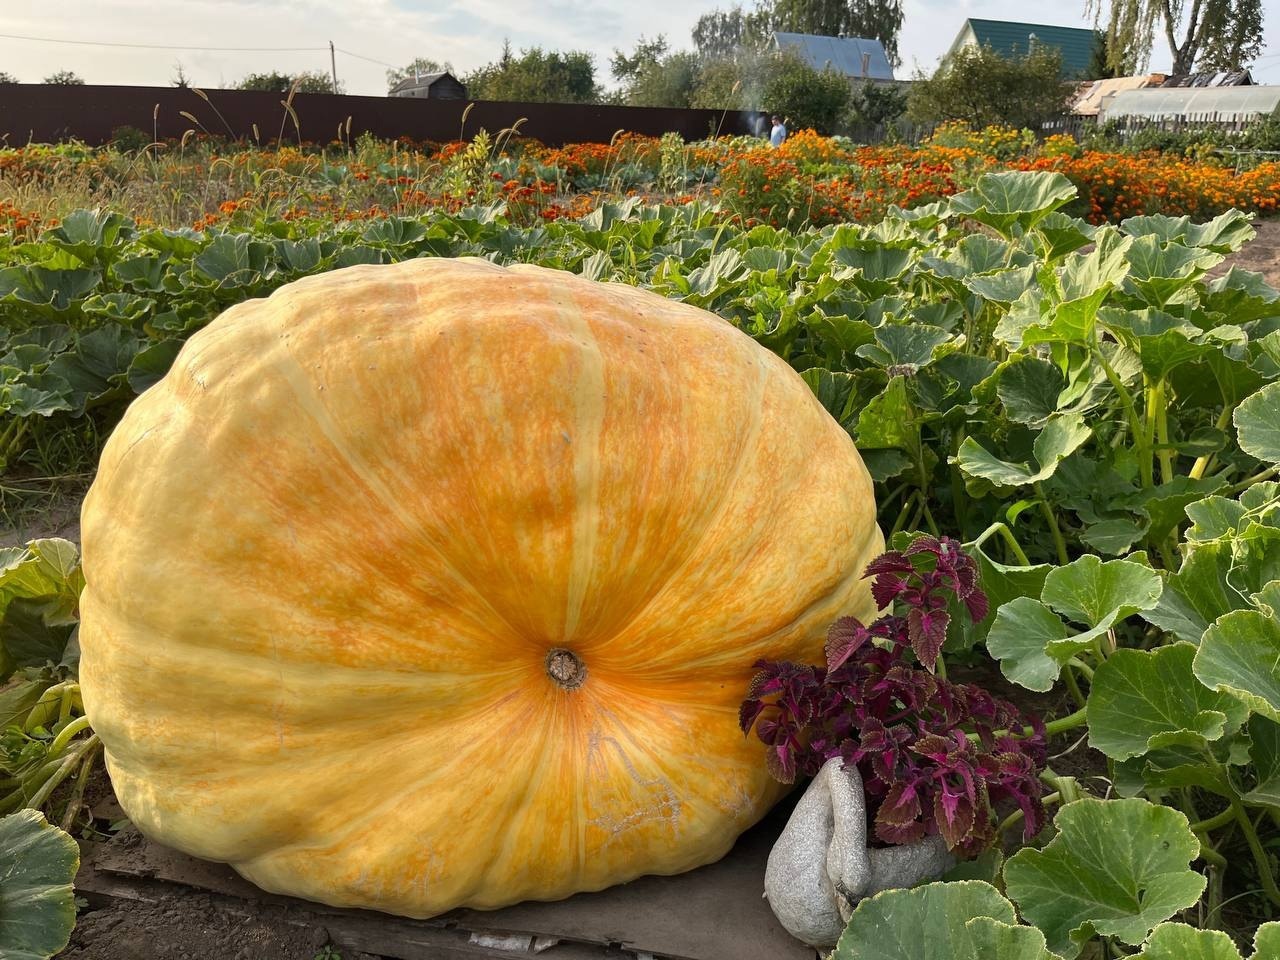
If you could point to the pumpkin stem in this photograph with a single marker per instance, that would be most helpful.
(566, 668)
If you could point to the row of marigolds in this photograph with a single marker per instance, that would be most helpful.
(810, 180)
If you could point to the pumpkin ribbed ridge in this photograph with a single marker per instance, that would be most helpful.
(333, 559)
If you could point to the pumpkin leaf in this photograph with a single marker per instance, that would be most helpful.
(37, 905)
(1257, 422)
(961, 920)
(1178, 941)
(1240, 654)
(1116, 868)
(1142, 700)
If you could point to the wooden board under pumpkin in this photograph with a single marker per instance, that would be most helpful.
(707, 914)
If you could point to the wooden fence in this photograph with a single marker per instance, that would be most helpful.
(48, 113)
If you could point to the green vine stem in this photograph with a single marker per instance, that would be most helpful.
(1073, 687)
(1017, 816)
(1052, 519)
(1007, 535)
(67, 734)
(1201, 465)
(1131, 411)
(1259, 852)
(1214, 823)
(1163, 450)
(63, 770)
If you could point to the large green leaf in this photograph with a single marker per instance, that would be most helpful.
(1257, 422)
(1178, 941)
(1029, 388)
(1143, 700)
(1198, 594)
(1020, 637)
(1240, 654)
(1003, 200)
(961, 920)
(1062, 435)
(904, 344)
(1090, 591)
(1116, 868)
(38, 863)
(1264, 753)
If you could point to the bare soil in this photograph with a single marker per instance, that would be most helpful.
(190, 926)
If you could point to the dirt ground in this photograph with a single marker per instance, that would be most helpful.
(190, 926)
(195, 926)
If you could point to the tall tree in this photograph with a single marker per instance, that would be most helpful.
(276, 82)
(729, 34)
(1236, 41)
(65, 78)
(982, 87)
(535, 76)
(654, 76)
(1100, 65)
(1199, 32)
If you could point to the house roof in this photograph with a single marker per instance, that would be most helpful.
(1009, 39)
(852, 56)
(1094, 95)
(1195, 103)
(422, 80)
(1234, 78)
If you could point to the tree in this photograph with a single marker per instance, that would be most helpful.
(276, 82)
(981, 87)
(8, 78)
(1235, 41)
(654, 77)
(878, 104)
(1101, 63)
(874, 19)
(1214, 32)
(67, 78)
(180, 78)
(807, 98)
(419, 66)
(728, 34)
(536, 76)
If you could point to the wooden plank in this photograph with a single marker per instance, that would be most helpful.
(711, 913)
(373, 934)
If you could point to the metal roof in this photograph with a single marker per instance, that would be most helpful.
(1195, 103)
(1235, 78)
(422, 80)
(1009, 39)
(852, 56)
(1095, 95)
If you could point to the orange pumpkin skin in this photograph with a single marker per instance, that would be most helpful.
(330, 557)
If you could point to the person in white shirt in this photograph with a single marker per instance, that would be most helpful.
(778, 133)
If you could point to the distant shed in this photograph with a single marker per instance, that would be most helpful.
(431, 86)
(1194, 103)
(855, 57)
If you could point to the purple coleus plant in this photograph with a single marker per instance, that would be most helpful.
(935, 756)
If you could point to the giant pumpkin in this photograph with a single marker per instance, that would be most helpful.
(439, 584)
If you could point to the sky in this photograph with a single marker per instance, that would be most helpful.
(371, 34)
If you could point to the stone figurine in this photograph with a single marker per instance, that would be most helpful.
(821, 866)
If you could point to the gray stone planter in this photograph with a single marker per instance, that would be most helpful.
(821, 865)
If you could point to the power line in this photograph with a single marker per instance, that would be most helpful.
(164, 46)
(360, 56)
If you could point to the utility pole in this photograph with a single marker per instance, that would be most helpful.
(333, 64)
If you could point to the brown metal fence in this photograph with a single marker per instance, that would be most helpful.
(48, 113)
